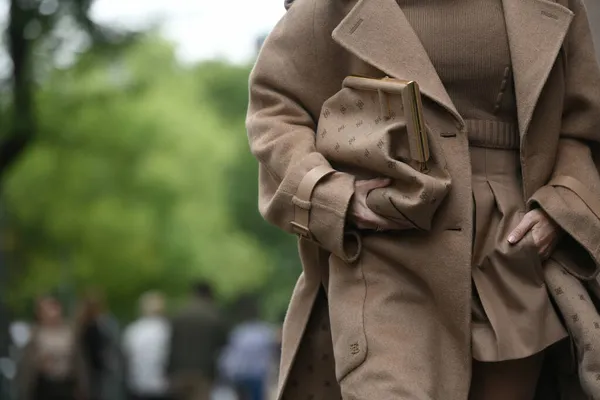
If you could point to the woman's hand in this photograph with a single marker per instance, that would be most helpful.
(545, 232)
(361, 215)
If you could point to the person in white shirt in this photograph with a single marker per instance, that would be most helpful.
(145, 347)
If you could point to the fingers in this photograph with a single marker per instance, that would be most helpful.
(528, 221)
(545, 233)
(367, 219)
(361, 214)
(368, 185)
(545, 249)
(546, 236)
(545, 252)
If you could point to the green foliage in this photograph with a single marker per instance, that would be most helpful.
(227, 88)
(128, 186)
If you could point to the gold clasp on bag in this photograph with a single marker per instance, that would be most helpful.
(384, 105)
(415, 123)
(413, 111)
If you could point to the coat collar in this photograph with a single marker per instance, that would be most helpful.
(536, 32)
(378, 32)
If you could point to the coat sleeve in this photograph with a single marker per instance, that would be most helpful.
(572, 197)
(298, 190)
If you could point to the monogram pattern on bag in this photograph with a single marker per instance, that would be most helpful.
(575, 317)
(582, 321)
(357, 105)
(359, 135)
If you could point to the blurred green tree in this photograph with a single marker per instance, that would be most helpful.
(126, 186)
(137, 172)
(227, 88)
(39, 32)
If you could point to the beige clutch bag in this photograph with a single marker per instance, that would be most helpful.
(375, 128)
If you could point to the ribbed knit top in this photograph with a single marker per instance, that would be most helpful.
(467, 43)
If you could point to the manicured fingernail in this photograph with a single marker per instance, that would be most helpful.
(512, 239)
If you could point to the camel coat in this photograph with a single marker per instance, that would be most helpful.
(303, 63)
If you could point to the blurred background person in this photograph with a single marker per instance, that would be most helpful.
(198, 333)
(150, 183)
(145, 348)
(99, 341)
(51, 367)
(248, 359)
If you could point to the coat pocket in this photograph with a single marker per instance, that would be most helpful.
(347, 290)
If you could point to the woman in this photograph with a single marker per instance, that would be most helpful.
(457, 308)
(51, 368)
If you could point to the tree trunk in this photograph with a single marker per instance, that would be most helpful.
(22, 126)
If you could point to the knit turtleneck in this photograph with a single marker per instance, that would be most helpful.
(468, 45)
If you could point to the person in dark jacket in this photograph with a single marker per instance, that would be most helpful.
(198, 334)
(99, 341)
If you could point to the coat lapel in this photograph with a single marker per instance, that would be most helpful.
(378, 32)
(536, 31)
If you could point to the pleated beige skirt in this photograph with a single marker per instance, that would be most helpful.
(512, 315)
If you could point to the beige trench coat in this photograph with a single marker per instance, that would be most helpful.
(315, 46)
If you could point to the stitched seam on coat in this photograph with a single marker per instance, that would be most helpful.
(269, 170)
